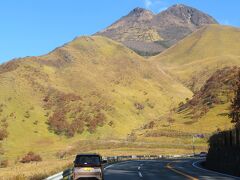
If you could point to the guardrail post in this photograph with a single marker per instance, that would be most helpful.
(238, 137)
(231, 138)
(225, 139)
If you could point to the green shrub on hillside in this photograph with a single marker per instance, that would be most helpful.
(70, 115)
(31, 157)
(235, 106)
(4, 163)
(3, 134)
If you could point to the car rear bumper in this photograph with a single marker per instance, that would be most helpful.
(83, 175)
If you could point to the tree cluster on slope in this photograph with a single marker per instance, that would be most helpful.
(235, 106)
(70, 114)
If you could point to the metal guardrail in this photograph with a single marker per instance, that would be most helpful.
(57, 176)
(144, 157)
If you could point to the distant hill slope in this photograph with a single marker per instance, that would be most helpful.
(194, 59)
(208, 63)
(149, 34)
(217, 91)
(206, 112)
(91, 88)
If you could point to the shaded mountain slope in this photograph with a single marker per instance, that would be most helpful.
(149, 34)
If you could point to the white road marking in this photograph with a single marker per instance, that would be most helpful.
(139, 173)
(194, 164)
(119, 163)
(55, 176)
(108, 166)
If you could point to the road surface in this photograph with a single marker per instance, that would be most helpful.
(160, 169)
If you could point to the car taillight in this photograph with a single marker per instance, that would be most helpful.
(97, 170)
(74, 175)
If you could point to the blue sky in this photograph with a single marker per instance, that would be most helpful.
(35, 27)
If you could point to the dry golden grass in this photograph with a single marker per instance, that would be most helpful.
(194, 59)
(33, 171)
(98, 70)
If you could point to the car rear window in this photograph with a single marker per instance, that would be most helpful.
(87, 159)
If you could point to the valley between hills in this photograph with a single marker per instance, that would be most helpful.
(100, 94)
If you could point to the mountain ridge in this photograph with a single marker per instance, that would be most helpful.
(91, 88)
(182, 59)
(149, 34)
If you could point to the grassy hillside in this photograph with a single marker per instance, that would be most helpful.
(218, 90)
(194, 59)
(91, 88)
(95, 95)
(206, 112)
(204, 62)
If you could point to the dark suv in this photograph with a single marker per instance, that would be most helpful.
(88, 166)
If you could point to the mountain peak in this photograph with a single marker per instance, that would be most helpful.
(181, 6)
(140, 12)
(138, 9)
(190, 14)
(149, 34)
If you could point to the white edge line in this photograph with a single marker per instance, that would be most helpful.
(55, 176)
(108, 166)
(111, 165)
(194, 164)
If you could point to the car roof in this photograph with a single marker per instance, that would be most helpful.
(88, 155)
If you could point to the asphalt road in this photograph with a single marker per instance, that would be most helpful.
(160, 169)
